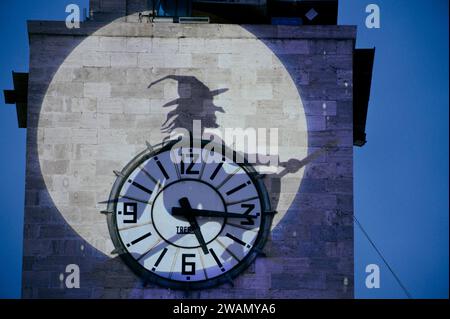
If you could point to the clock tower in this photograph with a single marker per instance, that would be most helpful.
(106, 193)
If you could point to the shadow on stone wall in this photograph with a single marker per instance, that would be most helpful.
(98, 269)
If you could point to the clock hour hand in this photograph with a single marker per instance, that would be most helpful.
(177, 211)
(186, 208)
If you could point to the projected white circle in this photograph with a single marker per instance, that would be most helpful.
(111, 112)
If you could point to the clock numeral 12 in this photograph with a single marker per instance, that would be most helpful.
(130, 209)
(190, 167)
(185, 264)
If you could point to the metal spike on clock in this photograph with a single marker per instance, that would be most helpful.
(259, 252)
(117, 251)
(229, 280)
(260, 176)
(149, 147)
(114, 200)
(145, 282)
(118, 174)
(187, 291)
(105, 212)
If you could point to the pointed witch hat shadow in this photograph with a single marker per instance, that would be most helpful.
(197, 106)
(201, 89)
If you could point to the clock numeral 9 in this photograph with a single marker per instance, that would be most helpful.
(130, 209)
(190, 264)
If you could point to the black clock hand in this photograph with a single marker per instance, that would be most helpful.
(186, 207)
(177, 211)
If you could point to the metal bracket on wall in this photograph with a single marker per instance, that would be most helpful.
(19, 97)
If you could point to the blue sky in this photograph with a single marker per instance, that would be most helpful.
(401, 174)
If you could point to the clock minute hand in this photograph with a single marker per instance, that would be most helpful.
(177, 211)
(186, 208)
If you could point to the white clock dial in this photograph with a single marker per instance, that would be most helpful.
(189, 216)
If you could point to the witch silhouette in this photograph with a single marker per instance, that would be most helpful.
(195, 102)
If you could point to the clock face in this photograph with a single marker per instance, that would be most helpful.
(188, 217)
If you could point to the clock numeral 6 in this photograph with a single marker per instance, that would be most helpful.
(190, 264)
(130, 209)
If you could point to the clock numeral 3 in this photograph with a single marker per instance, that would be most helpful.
(249, 221)
(187, 267)
(130, 209)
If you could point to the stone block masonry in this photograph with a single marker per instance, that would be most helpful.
(90, 111)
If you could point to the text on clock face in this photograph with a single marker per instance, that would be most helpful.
(184, 230)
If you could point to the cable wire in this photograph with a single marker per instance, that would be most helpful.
(382, 257)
